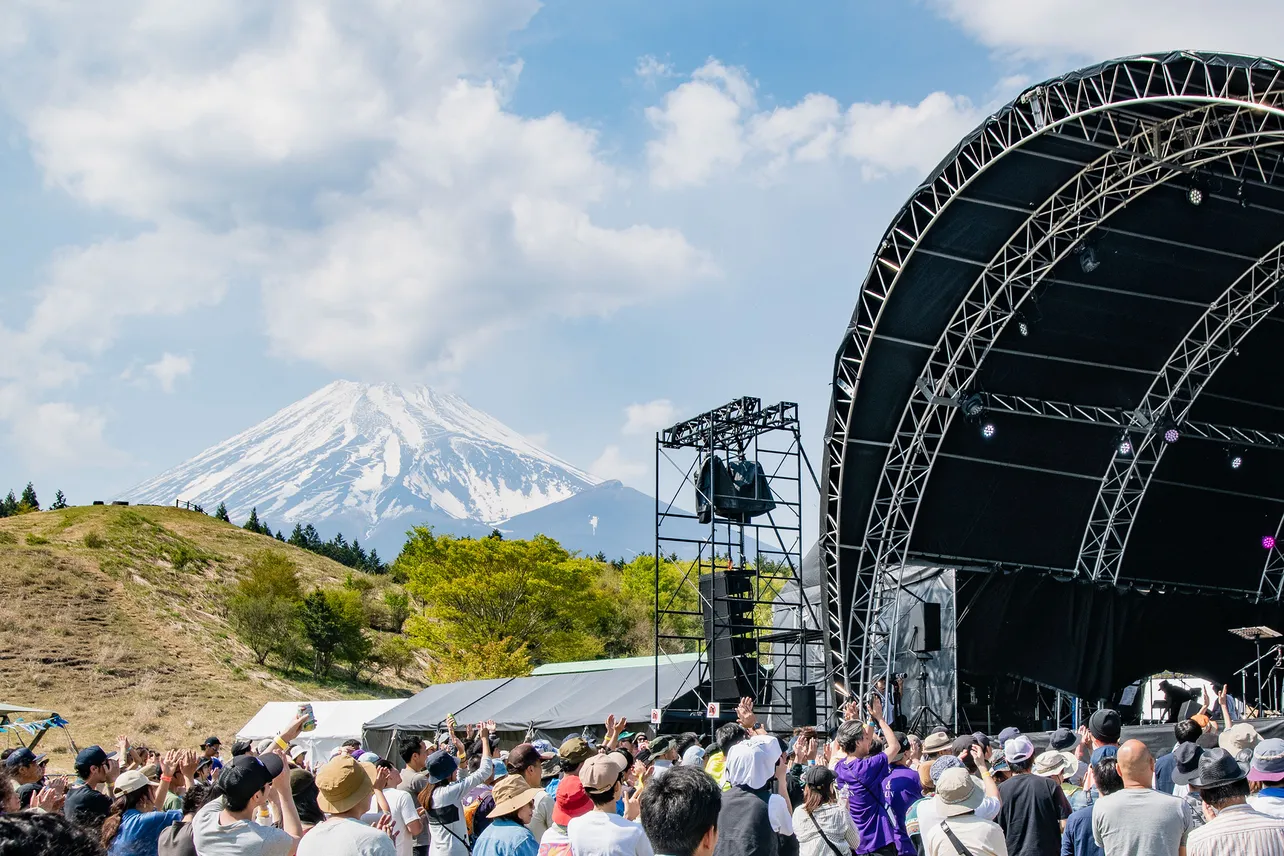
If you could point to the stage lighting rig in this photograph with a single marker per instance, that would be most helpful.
(973, 406)
(1125, 445)
(1234, 459)
(1168, 429)
(1088, 261)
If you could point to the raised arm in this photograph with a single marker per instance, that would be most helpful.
(889, 736)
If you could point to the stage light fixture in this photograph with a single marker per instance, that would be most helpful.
(1172, 435)
(1023, 328)
(988, 430)
(1125, 446)
(1195, 196)
(973, 406)
(1236, 461)
(1088, 261)
(1167, 428)
(1268, 542)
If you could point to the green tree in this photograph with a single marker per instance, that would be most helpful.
(220, 513)
(394, 652)
(59, 503)
(252, 525)
(264, 602)
(29, 497)
(398, 605)
(333, 623)
(531, 599)
(10, 505)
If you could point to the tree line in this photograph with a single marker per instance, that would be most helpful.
(13, 505)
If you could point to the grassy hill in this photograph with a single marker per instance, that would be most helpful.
(111, 616)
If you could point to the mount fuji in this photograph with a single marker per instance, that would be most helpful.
(373, 460)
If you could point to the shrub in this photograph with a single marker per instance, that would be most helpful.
(264, 603)
(394, 652)
(94, 541)
(36, 540)
(7, 538)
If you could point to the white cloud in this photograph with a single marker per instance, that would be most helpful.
(612, 464)
(649, 417)
(650, 69)
(55, 432)
(1050, 31)
(709, 126)
(168, 369)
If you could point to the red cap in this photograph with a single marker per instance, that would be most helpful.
(572, 800)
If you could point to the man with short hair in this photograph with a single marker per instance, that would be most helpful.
(1033, 806)
(414, 754)
(85, 805)
(210, 749)
(525, 761)
(225, 826)
(680, 813)
(602, 832)
(352, 746)
(1233, 827)
(401, 806)
(1186, 731)
(1137, 818)
(862, 771)
(1077, 839)
(1104, 728)
(26, 769)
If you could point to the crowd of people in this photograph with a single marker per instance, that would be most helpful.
(863, 789)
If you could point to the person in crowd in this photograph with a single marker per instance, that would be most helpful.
(210, 749)
(1104, 728)
(602, 832)
(1065, 740)
(1185, 770)
(525, 761)
(136, 820)
(508, 834)
(822, 826)
(298, 755)
(928, 816)
(86, 805)
(1009, 733)
(1233, 827)
(352, 746)
(779, 807)
(724, 738)
(1137, 818)
(571, 802)
(891, 701)
(1266, 777)
(1185, 731)
(344, 788)
(935, 745)
(914, 753)
(901, 789)
(26, 768)
(1032, 806)
(242, 747)
(414, 778)
(1174, 697)
(862, 771)
(957, 798)
(912, 827)
(1077, 839)
(225, 826)
(1226, 708)
(744, 825)
(664, 754)
(401, 807)
(176, 839)
(478, 802)
(573, 752)
(9, 802)
(681, 812)
(27, 833)
(442, 796)
(1058, 766)
(1239, 737)
(303, 790)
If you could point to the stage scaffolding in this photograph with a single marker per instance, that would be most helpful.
(780, 634)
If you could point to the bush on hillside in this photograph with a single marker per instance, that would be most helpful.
(264, 602)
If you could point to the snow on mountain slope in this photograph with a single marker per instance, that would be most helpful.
(371, 456)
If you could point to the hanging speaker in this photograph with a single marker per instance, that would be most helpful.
(802, 706)
(925, 626)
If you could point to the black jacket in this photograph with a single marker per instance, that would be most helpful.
(744, 829)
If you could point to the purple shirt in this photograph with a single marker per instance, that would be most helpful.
(863, 779)
(901, 789)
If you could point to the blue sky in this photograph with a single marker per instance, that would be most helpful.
(589, 218)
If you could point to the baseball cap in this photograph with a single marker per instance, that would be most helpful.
(92, 756)
(368, 758)
(575, 750)
(962, 743)
(1018, 749)
(628, 735)
(131, 780)
(545, 749)
(600, 773)
(343, 782)
(571, 800)
(1105, 725)
(1008, 734)
(246, 775)
(940, 765)
(212, 741)
(23, 756)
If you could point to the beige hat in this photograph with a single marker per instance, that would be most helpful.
(600, 773)
(343, 783)
(936, 743)
(511, 793)
(1239, 737)
(130, 781)
(956, 793)
(1053, 763)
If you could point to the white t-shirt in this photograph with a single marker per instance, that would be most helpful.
(600, 834)
(929, 817)
(242, 838)
(404, 812)
(343, 836)
(1272, 805)
(982, 837)
(782, 821)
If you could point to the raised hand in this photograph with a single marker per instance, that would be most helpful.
(187, 762)
(978, 755)
(876, 707)
(851, 710)
(633, 805)
(744, 713)
(386, 825)
(292, 731)
(47, 799)
(169, 763)
(610, 725)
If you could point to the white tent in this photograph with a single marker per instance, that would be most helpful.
(337, 721)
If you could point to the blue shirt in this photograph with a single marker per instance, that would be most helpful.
(1077, 839)
(506, 838)
(1164, 774)
(140, 832)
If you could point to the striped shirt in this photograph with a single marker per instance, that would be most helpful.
(1238, 830)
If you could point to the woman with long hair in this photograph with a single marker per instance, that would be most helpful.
(135, 824)
(822, 825)
(442, 798)
(303, 787)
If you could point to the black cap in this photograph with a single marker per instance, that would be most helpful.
(92, 756)
(962, 743)
(246, 775)
(1217, 768)
(1009, 733)
(1186, 757)
(1105, 725)
(981, 740)
(1062, 739)
(212, 741)
(818, 776)
(21, 757)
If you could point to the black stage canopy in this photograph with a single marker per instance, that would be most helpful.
(1066, 338)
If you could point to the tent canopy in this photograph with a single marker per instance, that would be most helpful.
(7, 709)
(337, 721)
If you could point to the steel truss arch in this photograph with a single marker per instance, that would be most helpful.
(1271, 585)
(1211, 340)
(1081, 106)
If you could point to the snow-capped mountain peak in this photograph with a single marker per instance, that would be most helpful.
(361, 455)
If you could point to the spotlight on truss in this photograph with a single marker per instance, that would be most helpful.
(1088, 261)
(1235, 459)
(1125, 445)
(1195, 196)
(1167, 428)
(988, 430)
(1268, 542)
(973, 406)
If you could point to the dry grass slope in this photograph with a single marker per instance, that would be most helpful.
(111, 617)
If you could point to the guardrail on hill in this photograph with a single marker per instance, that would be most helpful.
(190, 506)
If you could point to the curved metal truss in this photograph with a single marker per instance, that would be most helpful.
(1214, 337)
(1229, 120)
(1271, 586)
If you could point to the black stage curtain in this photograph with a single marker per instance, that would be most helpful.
(1092, 641)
